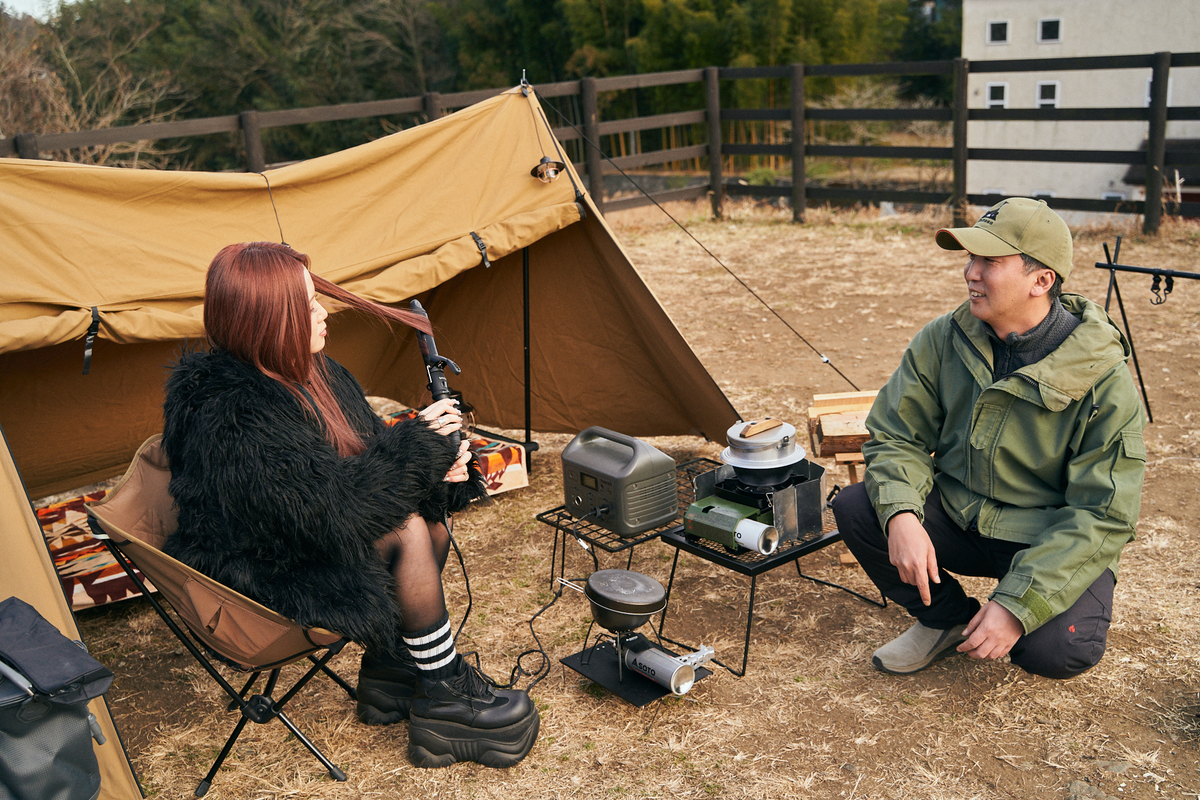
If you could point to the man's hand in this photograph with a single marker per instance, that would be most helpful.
(992, 632)
(911, 552)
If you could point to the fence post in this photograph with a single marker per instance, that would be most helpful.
(1156, 142)
(432, 102)
(27, 145)
(958, 199)
(799, 195)
(591, 132)
(255, 160)
(713, 107)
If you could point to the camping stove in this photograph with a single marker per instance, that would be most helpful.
(622, 660)
(764, 494)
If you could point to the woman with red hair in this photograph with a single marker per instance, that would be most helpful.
(292, 491)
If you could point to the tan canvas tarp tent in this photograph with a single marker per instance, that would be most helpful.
(390, 220)
(27, 572)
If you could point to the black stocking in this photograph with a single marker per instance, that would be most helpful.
(416, 554)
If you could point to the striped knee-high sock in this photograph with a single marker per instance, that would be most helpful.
(433, 650)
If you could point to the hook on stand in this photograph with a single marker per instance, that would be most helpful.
(1160, 296)
(1156, 288)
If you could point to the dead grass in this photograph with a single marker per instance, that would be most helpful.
(811, 718)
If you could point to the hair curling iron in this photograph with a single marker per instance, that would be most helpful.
(435, 365)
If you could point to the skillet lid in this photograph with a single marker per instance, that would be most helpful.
(626, 591)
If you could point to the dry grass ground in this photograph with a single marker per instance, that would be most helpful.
(811, 718)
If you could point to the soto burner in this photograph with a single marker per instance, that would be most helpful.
(764, 495)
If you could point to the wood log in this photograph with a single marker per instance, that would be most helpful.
(835, 422)
(842, 433)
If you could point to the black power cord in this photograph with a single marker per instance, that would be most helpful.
(543, 664)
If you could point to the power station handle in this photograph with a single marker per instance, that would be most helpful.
(595, 432)
(435, 366)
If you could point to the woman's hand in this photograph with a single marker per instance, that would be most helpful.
(458, 473)
(443, 416)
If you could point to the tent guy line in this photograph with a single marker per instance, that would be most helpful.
(271, 194)
(681, 226)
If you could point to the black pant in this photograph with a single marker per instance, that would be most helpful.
(1063, 647)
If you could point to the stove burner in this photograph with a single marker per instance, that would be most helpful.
(737, 491)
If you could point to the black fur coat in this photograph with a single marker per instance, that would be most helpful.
(267, 507)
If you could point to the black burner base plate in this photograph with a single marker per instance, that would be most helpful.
(598, 663)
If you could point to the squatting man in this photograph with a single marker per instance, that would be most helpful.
(1007, 444)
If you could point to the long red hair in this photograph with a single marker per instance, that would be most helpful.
(256, 308)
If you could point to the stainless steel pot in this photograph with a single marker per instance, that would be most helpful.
(765, 458)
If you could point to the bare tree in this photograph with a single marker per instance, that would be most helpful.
(42, 91)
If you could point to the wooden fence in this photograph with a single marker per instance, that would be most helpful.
(585, 131)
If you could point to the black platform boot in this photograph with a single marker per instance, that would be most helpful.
(462, 718)
(386, 685)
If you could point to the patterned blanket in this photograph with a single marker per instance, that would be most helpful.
(89, 575)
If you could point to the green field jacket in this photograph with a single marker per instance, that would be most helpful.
(1051, 455)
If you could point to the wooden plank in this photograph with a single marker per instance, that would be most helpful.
(693, 193)
(851, 423)
(649, 79)
(844, 401)
(661, 156)
(739, 73)
(761, 426)
(650, 123)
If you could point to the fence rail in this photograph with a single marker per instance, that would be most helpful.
(709, 122)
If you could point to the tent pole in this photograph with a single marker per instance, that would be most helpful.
(528, 397)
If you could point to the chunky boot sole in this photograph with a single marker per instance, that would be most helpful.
(434, 743)
(377, 706)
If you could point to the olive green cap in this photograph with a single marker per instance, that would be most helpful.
(1015, 225)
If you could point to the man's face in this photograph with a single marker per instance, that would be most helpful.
(1002, 295)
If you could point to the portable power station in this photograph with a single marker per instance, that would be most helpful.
(633, 482)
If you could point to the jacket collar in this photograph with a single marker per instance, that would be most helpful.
(1068, 373)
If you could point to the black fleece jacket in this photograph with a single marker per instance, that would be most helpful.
(267, 507)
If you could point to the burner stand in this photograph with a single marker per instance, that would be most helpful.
(604, 663)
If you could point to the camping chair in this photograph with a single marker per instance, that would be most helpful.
(134, 520)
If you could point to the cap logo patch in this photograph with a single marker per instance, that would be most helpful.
(991, 215)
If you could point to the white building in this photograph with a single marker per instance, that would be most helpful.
(1022, 29)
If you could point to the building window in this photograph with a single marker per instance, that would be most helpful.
(997, 32)
(1047, 94)
(997, 95)
(1041, 194)
(994, 192)
(1170, 86)
(1049, 31)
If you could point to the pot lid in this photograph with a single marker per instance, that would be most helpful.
(762, 444)
(626, 591)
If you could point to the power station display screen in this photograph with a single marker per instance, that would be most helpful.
(588, 481)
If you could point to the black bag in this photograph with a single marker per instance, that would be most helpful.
(46, 731)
